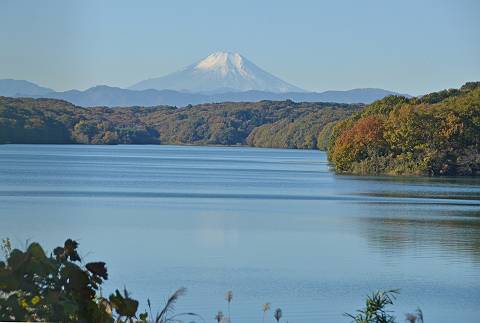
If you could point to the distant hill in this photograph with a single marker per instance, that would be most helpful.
(366, 96)
(108, 96)
(10, 87)
(114, 97)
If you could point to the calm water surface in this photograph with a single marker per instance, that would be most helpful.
(272, 225)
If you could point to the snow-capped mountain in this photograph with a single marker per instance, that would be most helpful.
(219, 72)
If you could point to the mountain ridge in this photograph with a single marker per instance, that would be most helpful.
(113, 97)
(103, 95)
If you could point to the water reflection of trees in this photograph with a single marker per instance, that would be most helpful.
(459, 232)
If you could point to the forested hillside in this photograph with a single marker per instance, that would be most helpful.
(302, 131)
(264, 124)
(437, 134)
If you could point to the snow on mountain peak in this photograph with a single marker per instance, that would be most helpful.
(224, 62)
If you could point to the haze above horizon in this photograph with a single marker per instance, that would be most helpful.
(411, 47)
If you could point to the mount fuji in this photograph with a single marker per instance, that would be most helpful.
(219, 72)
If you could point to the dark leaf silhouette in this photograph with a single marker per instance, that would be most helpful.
(123, 304)
(278, 314)
(98, 268)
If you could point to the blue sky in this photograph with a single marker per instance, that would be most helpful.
(407, 46)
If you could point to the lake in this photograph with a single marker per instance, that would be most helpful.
(272, 225)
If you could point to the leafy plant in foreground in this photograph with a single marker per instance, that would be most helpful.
(37, 287)
(375, 310)
(58, 288)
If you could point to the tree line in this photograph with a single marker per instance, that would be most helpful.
(280, 124)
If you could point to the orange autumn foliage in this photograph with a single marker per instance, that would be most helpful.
(353, 143)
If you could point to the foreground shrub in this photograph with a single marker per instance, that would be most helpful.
(37, 287)
(377, 310)
(59, 288)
